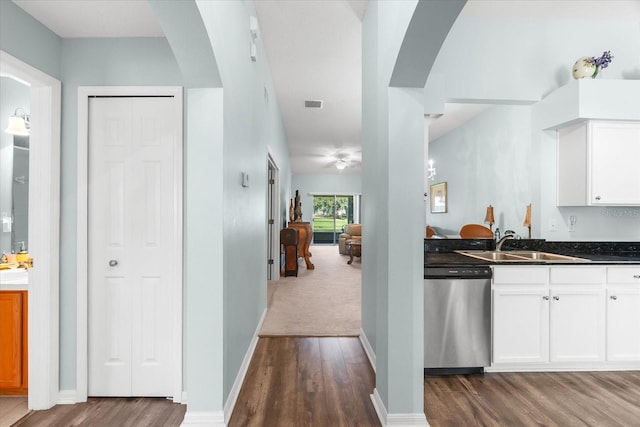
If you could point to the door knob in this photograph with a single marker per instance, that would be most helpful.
(113, 263)
(546, 298)
(613, 297)
(556, 298)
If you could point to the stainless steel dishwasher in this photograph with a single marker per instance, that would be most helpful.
(457, 319)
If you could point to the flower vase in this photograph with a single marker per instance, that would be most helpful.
(584, 67)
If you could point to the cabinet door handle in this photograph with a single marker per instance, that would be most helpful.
(636, 276)
(113, 263)
(546, 298)
(556, 298)
(597, 197)
(613, 297)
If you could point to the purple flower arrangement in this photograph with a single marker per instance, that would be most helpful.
(601, 62)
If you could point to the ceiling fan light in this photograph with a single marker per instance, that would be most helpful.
(341, 164)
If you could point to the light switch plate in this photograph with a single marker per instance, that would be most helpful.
(245, 179)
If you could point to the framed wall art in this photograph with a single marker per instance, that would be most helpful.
(438, 197)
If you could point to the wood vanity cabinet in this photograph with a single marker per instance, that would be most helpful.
(597, 164)
(13, 342)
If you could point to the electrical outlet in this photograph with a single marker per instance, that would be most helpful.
(552, 225)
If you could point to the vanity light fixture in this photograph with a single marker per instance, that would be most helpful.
(19, 123)
(341, 164)
(431, 171)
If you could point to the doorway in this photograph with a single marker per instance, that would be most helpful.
(44, 229)
(273, 221)
(130, 242)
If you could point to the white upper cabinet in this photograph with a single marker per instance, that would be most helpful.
(598, 164)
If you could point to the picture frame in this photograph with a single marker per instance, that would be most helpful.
(438, 197)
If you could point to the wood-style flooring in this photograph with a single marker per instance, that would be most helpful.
(109, 412)
(12, 408)
(534, 399)
(326, 382)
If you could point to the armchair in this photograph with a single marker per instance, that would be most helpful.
(352, 232)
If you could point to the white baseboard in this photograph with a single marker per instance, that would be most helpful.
(378, 405)
(396, 420)
(244, 367)
(203, 419)
(67, 397)
(371, 355)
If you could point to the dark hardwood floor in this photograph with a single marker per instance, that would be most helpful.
(109, 412)
(534, 399)
(307, 382)
(326, 382)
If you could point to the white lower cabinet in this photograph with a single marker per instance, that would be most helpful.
(520, 315)
(623, 314)
(549, 317)
(577, 325)
(520, 325)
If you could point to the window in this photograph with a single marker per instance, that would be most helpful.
(331, 213)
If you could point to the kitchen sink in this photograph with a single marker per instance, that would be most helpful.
(521, 256)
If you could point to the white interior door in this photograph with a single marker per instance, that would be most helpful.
(130, 235)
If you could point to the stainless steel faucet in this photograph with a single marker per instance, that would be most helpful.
(501, 241)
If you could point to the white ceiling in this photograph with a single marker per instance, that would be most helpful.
(94, 18)
(314, 52)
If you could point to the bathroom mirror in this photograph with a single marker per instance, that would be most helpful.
(14, 170)
(20, 193)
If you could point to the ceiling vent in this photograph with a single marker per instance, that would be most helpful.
(313, 104)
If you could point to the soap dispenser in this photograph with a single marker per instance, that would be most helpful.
(22, 254)
(497, 234)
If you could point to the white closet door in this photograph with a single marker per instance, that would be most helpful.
(131, 214)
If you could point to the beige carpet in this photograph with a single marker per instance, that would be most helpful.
(320, 302)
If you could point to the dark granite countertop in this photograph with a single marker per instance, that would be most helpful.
(442, 253)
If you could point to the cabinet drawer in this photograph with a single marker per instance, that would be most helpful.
(577, 275)
(624, 275)
(520, 275)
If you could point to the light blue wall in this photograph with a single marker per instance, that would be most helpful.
(322, 184)
(392, 151)
(527, 59)
(12, 95)
(25, 38)
(500, 157)
(252, 126)
(490, 160)
(94, 62)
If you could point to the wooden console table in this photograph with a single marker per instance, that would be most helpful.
(305, 235)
